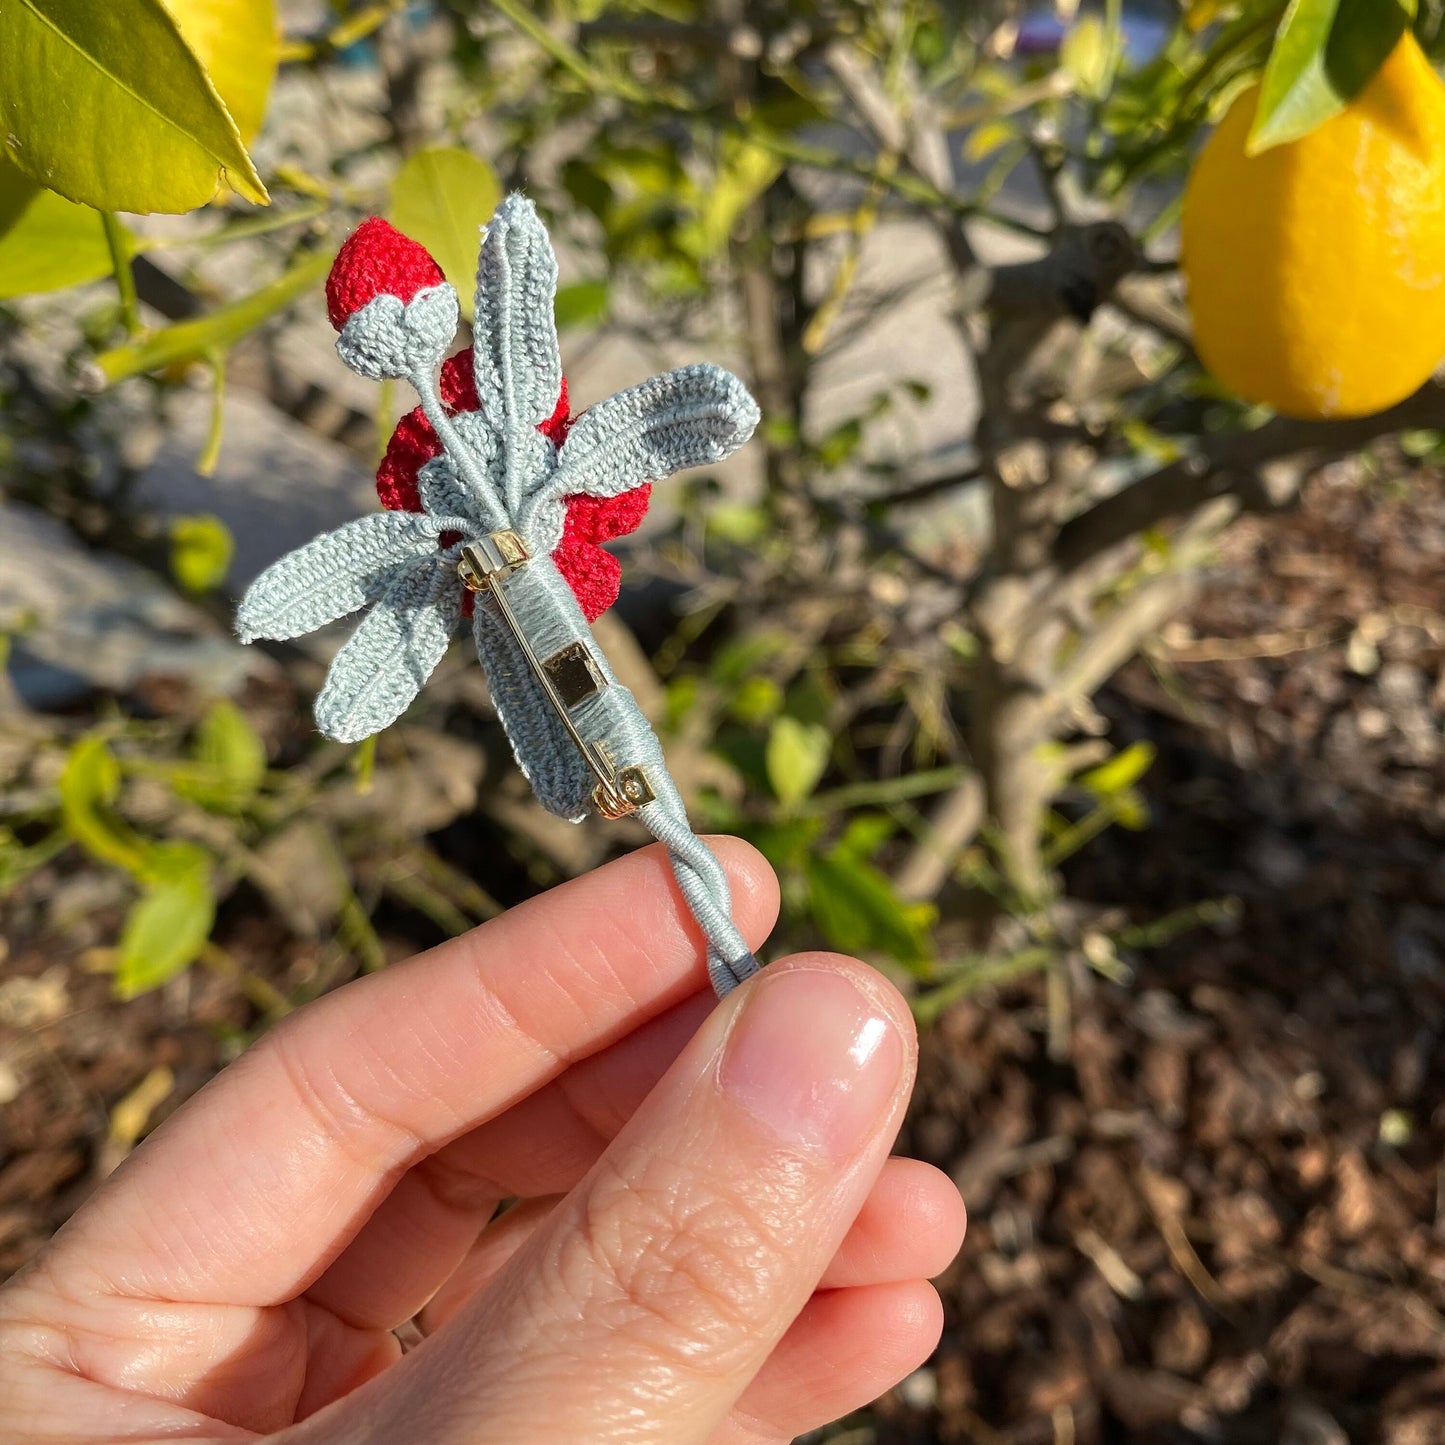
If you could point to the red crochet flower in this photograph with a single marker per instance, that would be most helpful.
(377, 260)
(594, 575)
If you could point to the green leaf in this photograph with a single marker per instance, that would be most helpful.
(1324, 54)
(796, 758)
(857, 910)
(442, 197)
(89, 785)
(1088, 56)
(786, 844)
(201, 549)
(46, 242)
(1122, 771)
(107, 104)
(231, 756)
(583, 303)
(746, 169)
(188, 340)
(865, 835)
(840, 443)
(238, 43)
(757, 700)
(165, 931)
(1131, 811)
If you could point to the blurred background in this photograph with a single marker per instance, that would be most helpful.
(1098, 706)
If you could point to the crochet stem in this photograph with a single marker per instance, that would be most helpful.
(456, 448)
(704, 885)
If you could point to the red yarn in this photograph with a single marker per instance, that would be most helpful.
(459, 382)
(556, 427)
(375, 260)
(593, 574)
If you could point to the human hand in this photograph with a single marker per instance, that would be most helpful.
(712, 1245)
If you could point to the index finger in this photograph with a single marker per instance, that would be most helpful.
(246, 1194)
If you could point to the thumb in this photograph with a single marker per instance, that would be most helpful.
(659, 1287)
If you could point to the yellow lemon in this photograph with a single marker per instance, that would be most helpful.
(1316, 269)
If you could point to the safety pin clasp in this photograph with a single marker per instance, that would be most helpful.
(492, 556)
(567, 677)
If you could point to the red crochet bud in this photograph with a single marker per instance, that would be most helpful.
(377, 260)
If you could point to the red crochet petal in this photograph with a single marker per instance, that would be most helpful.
(412, 445)
(556, 427)
(594, 575)
(459, 382)
(600, 519)
(375, 260)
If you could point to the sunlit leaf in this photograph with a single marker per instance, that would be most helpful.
(745, 170)
(797, 757)
(165, 931)
(983, 140)
(442, 197)
(1325, 53)
(89, 786)
(231, 759)
(858, 911)
(46, 242)
(238, 42)
(1089, 54)
(106, 104)
(201, 549)
(1122, 771)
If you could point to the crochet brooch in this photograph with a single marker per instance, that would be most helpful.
(497, 500)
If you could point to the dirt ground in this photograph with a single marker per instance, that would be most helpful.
(1219, 1215)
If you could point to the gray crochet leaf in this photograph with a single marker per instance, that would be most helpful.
(442, 492)
(375, 676)
(334, 575)
(480, 435)
(692, 417)
(545, 753)
(518, 366)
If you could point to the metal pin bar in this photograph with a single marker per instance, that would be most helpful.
(484, 567)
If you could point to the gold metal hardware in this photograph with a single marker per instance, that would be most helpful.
(568, 677)
(495, 555)
(574, 673)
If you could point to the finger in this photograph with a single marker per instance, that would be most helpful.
(498, 1243)
(652, 1295)
(288, 1152)
(422, 1231)
(910, 1227)
(846, 1348)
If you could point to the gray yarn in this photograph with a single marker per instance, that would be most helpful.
(335, 575)
(383, 665)
(500, 472)
(514, 333)
(391, 338)
(692, 417)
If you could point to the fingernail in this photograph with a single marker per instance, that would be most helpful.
(814, 1059)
